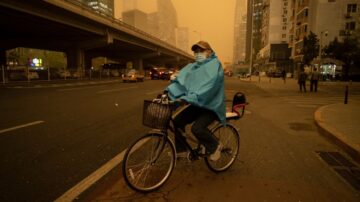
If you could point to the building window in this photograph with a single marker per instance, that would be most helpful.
(351, 8)
(305, 28)
(283, 35)
(284, 27)
(350, 26)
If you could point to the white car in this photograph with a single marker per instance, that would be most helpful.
(132, 76)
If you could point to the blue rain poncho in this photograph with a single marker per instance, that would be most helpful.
(202, 85)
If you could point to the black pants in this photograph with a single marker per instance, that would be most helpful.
(302, 85)
(201, 119)
(313, 85)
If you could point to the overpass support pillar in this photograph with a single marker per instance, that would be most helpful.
(3, 72)
(87, 61)
(75, 58)
(2, 58)
(138, 64)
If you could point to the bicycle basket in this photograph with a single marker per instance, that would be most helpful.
(157, 115)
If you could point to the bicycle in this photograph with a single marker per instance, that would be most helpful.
(150, 160)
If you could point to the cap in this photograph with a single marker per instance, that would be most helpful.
(202, 44)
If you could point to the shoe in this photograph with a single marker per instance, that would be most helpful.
(217, 154)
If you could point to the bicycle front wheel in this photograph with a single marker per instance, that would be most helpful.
(148, 162)
(230, 139)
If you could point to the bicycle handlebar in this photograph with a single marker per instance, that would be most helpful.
(164, 98)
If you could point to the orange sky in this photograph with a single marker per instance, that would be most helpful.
(212, 19)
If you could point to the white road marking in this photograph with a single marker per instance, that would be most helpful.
(79, 88)
(115, 90)
(308, 106)
(82, 186)
(75, 191)
(21, 126)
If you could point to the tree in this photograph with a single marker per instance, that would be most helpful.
(311, 48)
(347, 51)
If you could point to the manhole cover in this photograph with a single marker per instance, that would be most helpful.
(302, 126)
(344, 167)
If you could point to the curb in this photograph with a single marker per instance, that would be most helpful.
(334, 135)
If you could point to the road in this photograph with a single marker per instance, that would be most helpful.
(74, 130)
(83, 127)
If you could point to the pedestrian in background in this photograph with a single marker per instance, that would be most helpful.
(302, 80)
(283, 74)
(315, 76)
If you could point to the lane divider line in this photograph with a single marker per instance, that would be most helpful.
(115, 90)
(73, 193)
(21, 126)
(80, 88)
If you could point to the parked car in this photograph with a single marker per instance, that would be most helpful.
(77, 74)
(110, 72)
(132, 76)
(23, 75)
(243, 75)
(160, 73)
(64, 73)
(275, 74)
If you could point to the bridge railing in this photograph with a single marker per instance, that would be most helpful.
(106, 16)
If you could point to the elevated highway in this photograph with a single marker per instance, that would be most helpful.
(82, 33)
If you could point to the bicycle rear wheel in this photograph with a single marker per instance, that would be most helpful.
(148, 162)
(230, 139)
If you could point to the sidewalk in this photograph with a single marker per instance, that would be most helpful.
(341, 124)
(338, 122)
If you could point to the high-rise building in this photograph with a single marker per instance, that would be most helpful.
(167, 19)
(136, 18)
(182, 38)
(240, 24)
(153, 25)
(253, 28)
(102, 6)
(161, 23)
(274, 54)
(326, 18)
(129, 5)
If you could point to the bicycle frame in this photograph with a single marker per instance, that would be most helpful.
(239, 109)
(184, 140)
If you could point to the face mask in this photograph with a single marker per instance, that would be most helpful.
(200, 57)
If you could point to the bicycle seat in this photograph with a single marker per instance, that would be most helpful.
(238, 106)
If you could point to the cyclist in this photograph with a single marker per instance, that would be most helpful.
(201, 84)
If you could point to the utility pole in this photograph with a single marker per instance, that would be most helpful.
(251, 38)
(320, 46)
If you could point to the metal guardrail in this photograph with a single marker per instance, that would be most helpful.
(121, 23)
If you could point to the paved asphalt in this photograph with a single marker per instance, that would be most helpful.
(282, 155)
(74, 130)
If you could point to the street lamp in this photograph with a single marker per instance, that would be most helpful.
(251, 39)
(325, 32)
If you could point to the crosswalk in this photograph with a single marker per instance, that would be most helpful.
(316, 101)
